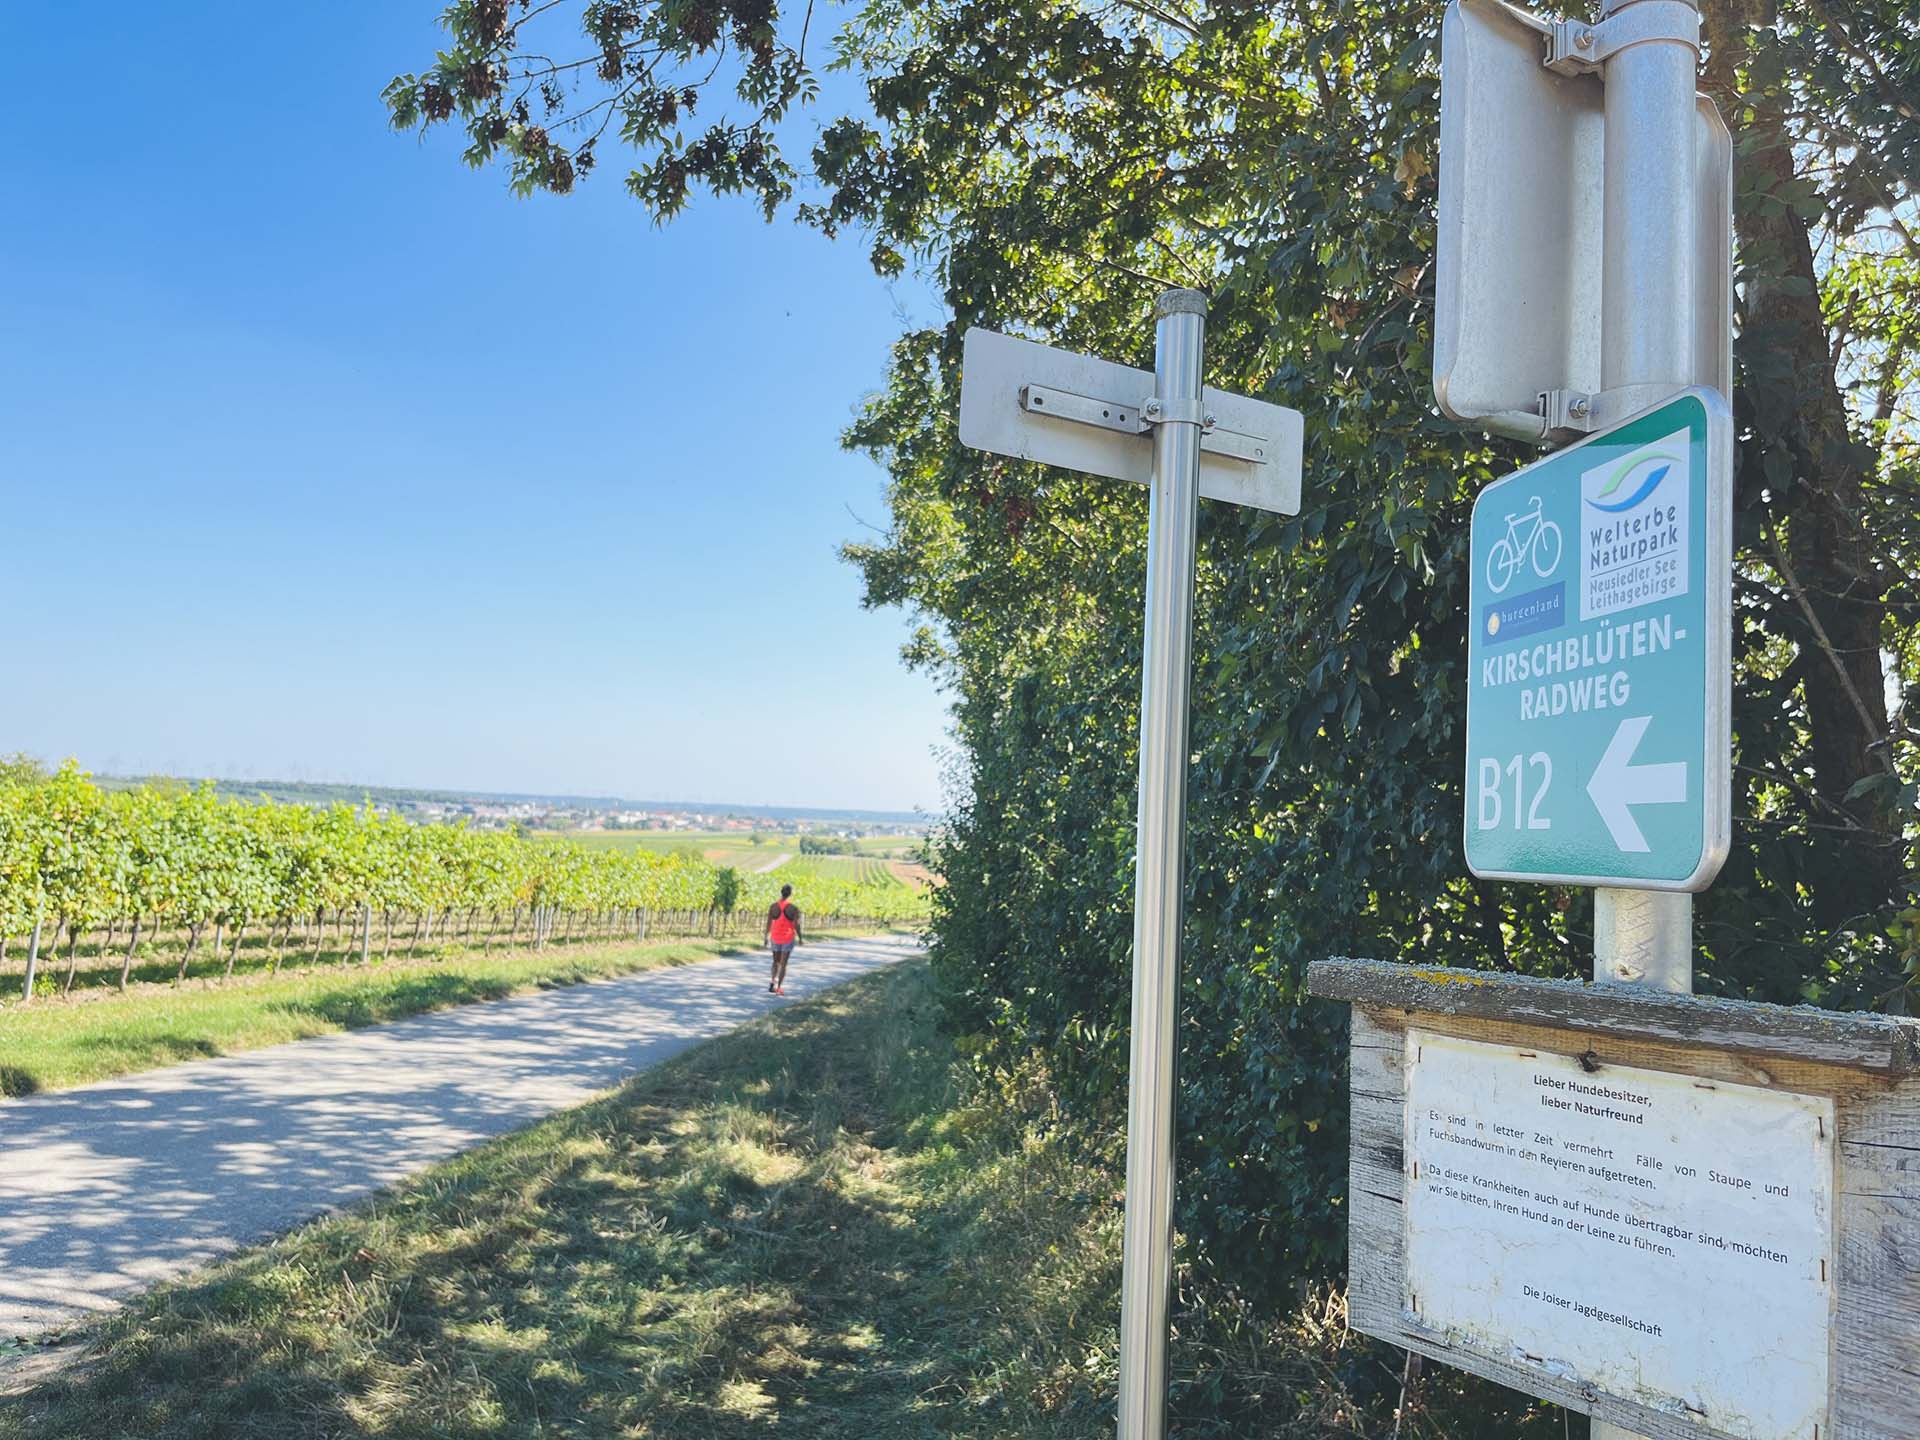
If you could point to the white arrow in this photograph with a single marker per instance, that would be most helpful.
(1616, 784)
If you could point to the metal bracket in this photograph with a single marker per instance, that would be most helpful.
(1568, 410)
(1136, 418)
(1235, 446)
(1566, 413)
(1125, 416)
(1581, 47)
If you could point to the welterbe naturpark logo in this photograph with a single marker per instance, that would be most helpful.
(1633, 528)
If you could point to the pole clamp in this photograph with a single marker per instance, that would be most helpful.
(1581, 47)
(1177, 412)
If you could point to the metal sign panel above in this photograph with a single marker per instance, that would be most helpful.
(1518, 252)
(1033, 402)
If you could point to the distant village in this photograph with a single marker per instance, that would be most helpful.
(572, 813)
(585, 817)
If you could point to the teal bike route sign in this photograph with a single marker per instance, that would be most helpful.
(1599, 658)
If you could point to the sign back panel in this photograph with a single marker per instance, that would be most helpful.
(1598, 656)
(1518, 247)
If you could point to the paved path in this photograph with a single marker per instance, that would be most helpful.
(107, 1188)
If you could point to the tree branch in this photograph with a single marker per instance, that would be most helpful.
(1877, 743)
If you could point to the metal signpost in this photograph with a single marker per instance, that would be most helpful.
(1584, 288)
(1036, 403)
(1584, 281)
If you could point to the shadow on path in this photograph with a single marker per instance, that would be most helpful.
(108, 1188)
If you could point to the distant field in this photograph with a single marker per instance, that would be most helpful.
(723, 847)
(750, 851)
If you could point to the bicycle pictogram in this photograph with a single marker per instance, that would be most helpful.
(1540, 545)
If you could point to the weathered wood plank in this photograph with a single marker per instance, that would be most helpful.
(1669, 1055)
(1654, 1424)
(1878, 1044)
(1876, 1341)
(1376, 1180)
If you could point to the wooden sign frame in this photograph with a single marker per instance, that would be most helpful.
(1868, 1064)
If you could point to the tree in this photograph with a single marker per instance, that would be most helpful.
(1051, 166)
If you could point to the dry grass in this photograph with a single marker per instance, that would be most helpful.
(818, 1226)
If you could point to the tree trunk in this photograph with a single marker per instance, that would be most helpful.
(73, 955)
(386, 951)
(239, 934)
(319, 933)
(133, 944)
(1821, 549)
(193, 943)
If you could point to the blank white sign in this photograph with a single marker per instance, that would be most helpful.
(994, 369)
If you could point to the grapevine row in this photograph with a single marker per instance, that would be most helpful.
(75, 859)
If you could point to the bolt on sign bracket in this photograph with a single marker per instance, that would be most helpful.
(1581, 47)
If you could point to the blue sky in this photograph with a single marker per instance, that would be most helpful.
(322, 456)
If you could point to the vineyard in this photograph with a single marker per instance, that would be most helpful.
(115, 879)
(858, 871)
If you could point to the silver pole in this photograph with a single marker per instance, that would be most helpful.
(1647, 311)
(1146, 1265)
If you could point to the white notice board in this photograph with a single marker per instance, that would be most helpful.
(1664, 1238)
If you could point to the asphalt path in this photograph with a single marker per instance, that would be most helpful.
(106, 1189)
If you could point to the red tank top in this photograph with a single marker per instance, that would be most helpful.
(782, 932)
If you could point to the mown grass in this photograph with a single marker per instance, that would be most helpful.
(817, 1226)
(49, 1045)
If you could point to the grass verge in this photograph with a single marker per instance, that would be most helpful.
(817, 1226)
(50, 1045)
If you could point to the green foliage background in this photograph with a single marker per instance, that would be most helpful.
(1051, 164)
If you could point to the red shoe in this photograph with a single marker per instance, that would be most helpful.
(780, 990)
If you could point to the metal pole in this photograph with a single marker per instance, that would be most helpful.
(1146, 1266)
(1647, 314)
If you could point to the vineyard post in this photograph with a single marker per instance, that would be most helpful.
(366, 933)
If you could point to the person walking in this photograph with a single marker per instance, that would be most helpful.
(783, 933)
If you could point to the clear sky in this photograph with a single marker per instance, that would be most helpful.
(323, 457)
